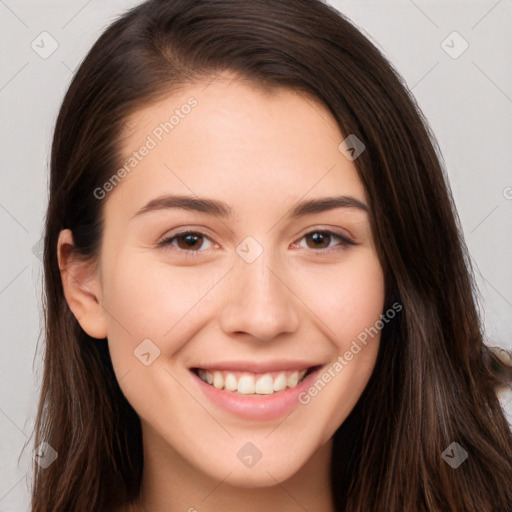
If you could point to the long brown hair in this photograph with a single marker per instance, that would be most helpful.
(430, 387)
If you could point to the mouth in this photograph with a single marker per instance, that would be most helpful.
(247, 383)
(256, 391)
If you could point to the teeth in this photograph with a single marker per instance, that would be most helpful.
(280, 382)
(265, 385)
(218, 380)
(246, 385)
(230, 383)
(249, 383)
(293, 379)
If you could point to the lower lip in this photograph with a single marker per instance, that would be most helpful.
(259, 407)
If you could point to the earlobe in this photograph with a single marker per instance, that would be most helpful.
(82, 287)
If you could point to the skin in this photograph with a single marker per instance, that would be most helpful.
(261, 153)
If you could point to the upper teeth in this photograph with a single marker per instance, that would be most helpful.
(247, 383)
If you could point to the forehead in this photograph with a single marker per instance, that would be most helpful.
(228, 137)
(236, 108)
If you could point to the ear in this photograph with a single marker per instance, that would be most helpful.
(82, 287)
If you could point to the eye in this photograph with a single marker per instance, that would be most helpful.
(321, 238)
(190, 242)
(187, 242)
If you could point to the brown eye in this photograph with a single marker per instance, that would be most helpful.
(186, 242)
(321, 239)
(189, 241)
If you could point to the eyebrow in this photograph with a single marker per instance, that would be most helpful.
(222, 209)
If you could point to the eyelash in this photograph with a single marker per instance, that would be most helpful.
(194, 253)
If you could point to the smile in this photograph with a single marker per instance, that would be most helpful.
(261, 391)
(249, 383)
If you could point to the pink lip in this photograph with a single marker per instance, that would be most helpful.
(262, 407)
(256, 367)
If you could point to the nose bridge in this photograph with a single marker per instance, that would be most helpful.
(258, 302)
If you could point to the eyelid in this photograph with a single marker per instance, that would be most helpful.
(167, 240)
(346, 238)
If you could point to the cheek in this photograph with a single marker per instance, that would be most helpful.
(362, 298)
(346, 298)
(351, 304)
(154, 301)
(146, 298)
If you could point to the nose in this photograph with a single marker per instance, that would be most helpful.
(259, 301)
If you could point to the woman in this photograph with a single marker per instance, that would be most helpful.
(257, 291)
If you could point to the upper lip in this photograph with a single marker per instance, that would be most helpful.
(256, 367)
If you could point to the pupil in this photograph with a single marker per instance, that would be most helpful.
(318, 238)
(190, 239)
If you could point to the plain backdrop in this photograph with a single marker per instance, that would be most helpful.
(454, 56)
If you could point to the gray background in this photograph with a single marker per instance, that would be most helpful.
(467, 100)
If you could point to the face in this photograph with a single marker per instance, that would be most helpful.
(232, 314)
